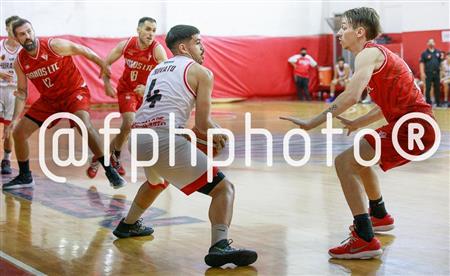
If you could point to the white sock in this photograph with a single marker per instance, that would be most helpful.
(134, 214)
(218, 232)
(7, 155)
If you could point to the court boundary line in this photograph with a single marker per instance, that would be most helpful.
(20, 264)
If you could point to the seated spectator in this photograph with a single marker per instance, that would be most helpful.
(342, 74)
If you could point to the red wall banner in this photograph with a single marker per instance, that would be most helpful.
(242, 66)
(248, 66)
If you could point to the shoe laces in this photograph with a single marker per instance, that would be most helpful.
(18, 178)
(118, 163)
(139, 225)
(229, 242)
(116, 160)
(94, 164)
(350, 240)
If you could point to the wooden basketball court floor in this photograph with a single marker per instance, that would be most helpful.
(289, 215)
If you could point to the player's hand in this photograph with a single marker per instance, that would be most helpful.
(7, 131)
(350, 125)
(105, 70)
(6, 76)
(224, 137)
(302, 123)
(219, 141)
(216, 125)
(110, 91)
(140, 90)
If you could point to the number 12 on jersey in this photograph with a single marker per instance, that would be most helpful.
(48, 82)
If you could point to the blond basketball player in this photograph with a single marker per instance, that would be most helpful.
(9, 48)
(392, 88)
(176, 86)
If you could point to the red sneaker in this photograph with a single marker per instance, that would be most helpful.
(382, 224)
(116, 164)
(356, 248)
(93, 168)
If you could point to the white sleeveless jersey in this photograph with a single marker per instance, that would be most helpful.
(7, 59)
(167, 91)
(341, 73)
(446, 69)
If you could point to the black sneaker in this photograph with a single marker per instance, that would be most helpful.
(20, 181)
(137, 229)
(6, 167)
(222, 253)
(115, 180)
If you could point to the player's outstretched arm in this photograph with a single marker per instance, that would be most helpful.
(365, 64)
(112, 57)
(115, 53)
(372, 116)
(65, 47)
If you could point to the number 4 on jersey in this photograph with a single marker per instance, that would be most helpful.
(156, 97)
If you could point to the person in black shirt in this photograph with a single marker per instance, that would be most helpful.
(430, 62)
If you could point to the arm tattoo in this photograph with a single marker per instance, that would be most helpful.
(332, 108)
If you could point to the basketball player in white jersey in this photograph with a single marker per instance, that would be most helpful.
(9, 48)
(342, 74)
(176, 86)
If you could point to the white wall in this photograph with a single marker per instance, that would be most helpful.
(113, 18)
(401, 16)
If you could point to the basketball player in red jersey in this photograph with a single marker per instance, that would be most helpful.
(392, 88)
(141, 53)
(48, 64)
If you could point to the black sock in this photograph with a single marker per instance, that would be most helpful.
(102, 162)
(24, 167)
(363, 227)
(117, 153)
(377, 208)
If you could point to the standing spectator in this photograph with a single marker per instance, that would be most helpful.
(430, 62)
(302, 64)
(445, 78)
(342, 73)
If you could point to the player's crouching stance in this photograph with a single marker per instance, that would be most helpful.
(392, 89)
(175, 86)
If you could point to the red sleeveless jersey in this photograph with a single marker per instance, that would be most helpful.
(393, 89)
(53, 75)
(138, 64)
